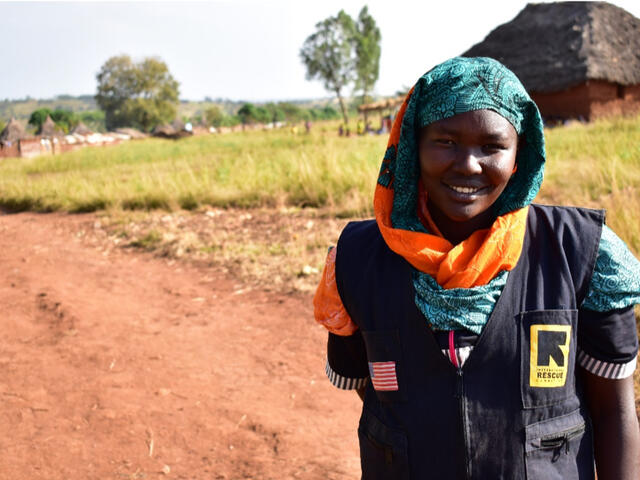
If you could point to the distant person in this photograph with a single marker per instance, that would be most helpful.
(360, 127)
(489, 337)
(307, 126)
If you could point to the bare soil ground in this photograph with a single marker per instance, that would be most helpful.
(122, 364)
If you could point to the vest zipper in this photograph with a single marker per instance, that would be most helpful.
(463, 407)
(461, 401)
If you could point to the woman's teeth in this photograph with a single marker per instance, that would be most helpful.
(464, 189)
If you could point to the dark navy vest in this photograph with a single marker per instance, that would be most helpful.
(515, 408)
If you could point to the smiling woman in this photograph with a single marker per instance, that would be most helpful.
(489, 337)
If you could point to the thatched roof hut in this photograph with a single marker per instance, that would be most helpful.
(132, 132)
(81, 129)
(174, 131)
(49, 128)
(380, 105)
(13, 132)
(574, 58)
(163, 131)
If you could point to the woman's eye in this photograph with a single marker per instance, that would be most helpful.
(493, 147)
(444, 141)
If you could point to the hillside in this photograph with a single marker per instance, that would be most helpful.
(22, 108)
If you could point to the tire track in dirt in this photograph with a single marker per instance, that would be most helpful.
(120, 365)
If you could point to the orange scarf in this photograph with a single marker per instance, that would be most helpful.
(473, 262)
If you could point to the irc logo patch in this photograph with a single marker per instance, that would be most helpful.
(549, 355)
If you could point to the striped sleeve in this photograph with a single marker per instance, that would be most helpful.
(344, 383)
(347, 366)
(613, 371)
(608, 342)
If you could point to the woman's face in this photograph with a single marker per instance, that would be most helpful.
(466, 162)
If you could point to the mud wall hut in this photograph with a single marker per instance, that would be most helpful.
(576, 59)
(10, 139)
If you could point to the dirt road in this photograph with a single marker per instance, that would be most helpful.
(119, 365)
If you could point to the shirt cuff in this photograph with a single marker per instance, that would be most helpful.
(344, 383)
(613, 371)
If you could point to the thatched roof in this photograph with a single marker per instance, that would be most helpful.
(164, 131)
(13, 132)
(81, 129)
(173, 131)
(132, 132)
(554, 46)
(49, 128)
(389, 103)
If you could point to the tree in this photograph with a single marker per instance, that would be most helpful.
(367, 45)
(65, 119)
(249, 113)
(275, 112)
(214, 116)
(141, 95)
(37, 117)
(329, 54)
(93, 119)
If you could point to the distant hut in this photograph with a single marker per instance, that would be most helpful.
(386, 108)
(10, 139)
(132, 133)
(164, 131)
(12, 133)
(576, 59)
(49, 128)
(174, 131)
(81, 129)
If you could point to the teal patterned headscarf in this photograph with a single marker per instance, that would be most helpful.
(457, 86)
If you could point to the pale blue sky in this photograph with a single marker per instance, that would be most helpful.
(233, 49)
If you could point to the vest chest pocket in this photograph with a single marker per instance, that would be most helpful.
(547, 356)
(558, 449)
(383, 451)
(384, 356)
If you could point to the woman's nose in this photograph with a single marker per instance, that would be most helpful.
(468, 161)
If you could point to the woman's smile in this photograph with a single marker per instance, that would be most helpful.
(466, 191)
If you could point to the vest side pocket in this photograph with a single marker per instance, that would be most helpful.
(547, 356)
(558, 449)
(383, 451)
(386, 365)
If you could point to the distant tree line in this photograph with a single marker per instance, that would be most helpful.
(66, 120)
(213, 116)
(268, 113)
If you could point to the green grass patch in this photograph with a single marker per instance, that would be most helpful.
(597, 165)
(252, 169)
